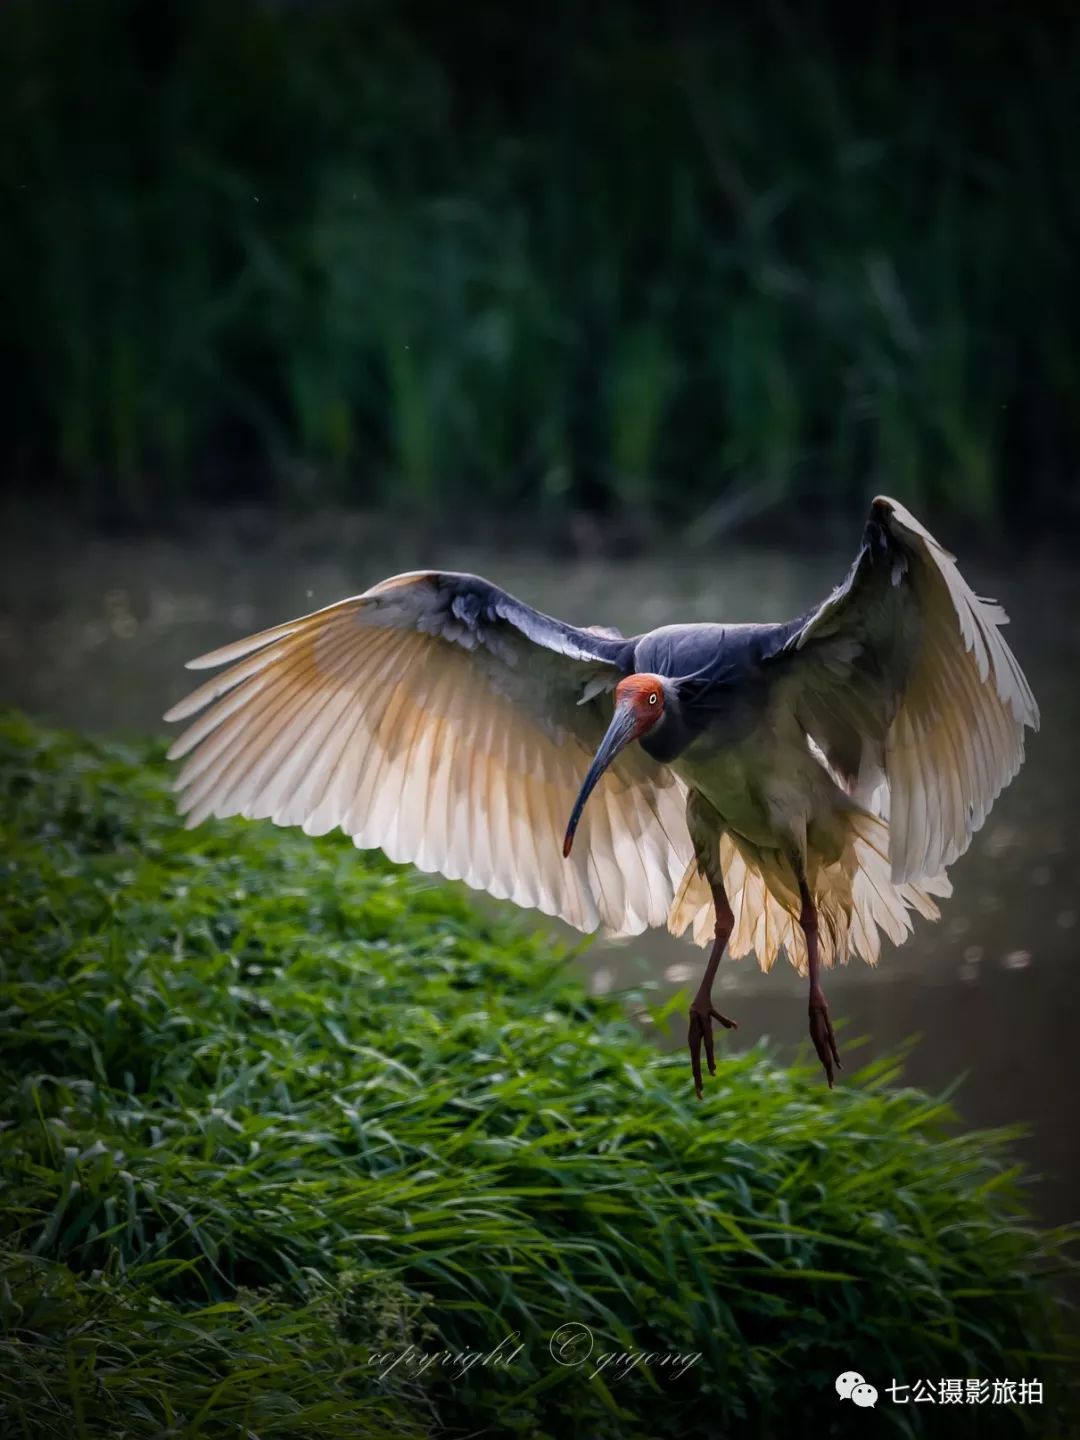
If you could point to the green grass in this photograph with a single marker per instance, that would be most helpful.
(271, 1107)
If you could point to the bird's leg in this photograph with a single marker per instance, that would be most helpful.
(821, 1031)
(702, 1013)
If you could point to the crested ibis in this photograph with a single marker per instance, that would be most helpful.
(796, 787)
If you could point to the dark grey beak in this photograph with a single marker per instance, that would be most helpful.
(623, 728)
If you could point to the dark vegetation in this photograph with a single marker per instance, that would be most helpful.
(629, 259)
(270, 1106)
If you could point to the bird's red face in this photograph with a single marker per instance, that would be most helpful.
(644, 696)
(639, 704)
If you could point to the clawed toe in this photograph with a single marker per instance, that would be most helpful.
(700, 1035)
(821, 1032)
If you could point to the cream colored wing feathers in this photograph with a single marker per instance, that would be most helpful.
(904, 679)
(440, 720)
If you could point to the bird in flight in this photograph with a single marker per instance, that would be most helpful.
(796, 787)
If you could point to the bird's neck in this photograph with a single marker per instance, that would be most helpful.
(667, 740)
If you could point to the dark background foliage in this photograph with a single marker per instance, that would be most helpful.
(623, 258)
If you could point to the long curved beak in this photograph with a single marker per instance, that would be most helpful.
(623, 728)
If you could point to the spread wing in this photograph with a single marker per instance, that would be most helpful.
(450, 725)
(903, 678)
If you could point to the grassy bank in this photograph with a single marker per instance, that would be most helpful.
(272, 1108)
(621, 259)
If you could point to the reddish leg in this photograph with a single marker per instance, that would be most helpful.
(702, 1013)
(821, 1031)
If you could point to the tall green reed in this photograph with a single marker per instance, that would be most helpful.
(338, 254)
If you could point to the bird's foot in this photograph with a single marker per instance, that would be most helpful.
(821, 1032)
(700, 1034)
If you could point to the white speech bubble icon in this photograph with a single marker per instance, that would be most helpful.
(864, 1395)
(846, 1382)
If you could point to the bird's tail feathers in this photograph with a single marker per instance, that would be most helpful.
(856, 899)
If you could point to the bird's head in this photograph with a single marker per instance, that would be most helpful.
(639, 706)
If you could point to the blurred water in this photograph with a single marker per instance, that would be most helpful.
(93, 634)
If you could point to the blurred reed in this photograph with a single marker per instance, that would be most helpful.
(374, 256)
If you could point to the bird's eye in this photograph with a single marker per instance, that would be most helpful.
(653, 698)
